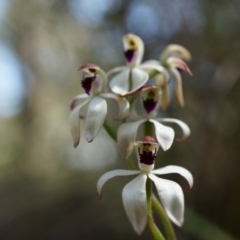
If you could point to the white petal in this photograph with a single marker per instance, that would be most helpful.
(176, 169)
(135, 202)
(175, 50)
(185, 129)
(179, 63)
(74, 123)
(133, 114)
(126, 136)
(115, 70)
(114, 173)
(172, 199)
(123, 104)
(95, 118)
(178, 86)
(78, 98)
(150, 62)
(120, 82)
(164, 134)
(138, 78)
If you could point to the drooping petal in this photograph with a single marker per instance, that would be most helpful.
(138, 78)
(126, 136)
(135, 202)
(74, 123)
(175, 50)
(164, 134)
(123, 104)
(120, 82)
(95, 118)
(179, 64)
(185, 129)
(76, 99)
(172, 199)
(178, 86)
(176, 169)
(114, 173)
(133, 49)
(165, 97)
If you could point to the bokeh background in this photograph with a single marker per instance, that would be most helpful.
(47, 188)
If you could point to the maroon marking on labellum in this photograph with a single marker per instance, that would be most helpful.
(129, 54)
(87, 83)
(147, 157)
(180, 70)
(149, 105)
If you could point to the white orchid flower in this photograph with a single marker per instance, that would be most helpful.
(126, 80)
(134, 193)
(94, 82)
(127, 132)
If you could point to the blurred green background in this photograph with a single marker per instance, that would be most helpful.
(47, 188)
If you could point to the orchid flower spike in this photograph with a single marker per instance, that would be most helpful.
(134, 193)
(172, 59)
(94, 83)
(127, 132)
(126, 80)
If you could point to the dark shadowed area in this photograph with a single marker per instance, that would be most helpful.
(48, 188)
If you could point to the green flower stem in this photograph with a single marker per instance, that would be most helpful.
(152, 226)
(148, 128)
(130, 164)
(110, 131)
(164, 218)
(154, 229)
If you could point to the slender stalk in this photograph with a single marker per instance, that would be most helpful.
(154, 229)
(130, 164)
(148, 128)
(151, 224)
(164, 218)
(110, 131)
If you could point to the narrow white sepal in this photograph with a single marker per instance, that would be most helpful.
(126, 136)
(135, 202)
(164, 134)
(123, 104)
(114, 173)
(172, 199)
(74, 123)
(78, 98)
(185, 129)
(178, 86)
(119, 84)
(95, 118)
(176, 169)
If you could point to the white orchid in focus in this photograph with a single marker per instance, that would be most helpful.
(127, 132)
(94, 83)
(134, 193)
(126, 80)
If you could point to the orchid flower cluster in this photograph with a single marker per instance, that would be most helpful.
(147, 83)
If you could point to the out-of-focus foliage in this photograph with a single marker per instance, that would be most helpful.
(47, 188)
